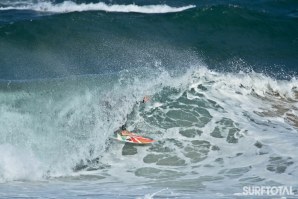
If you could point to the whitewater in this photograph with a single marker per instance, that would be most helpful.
(233, 131)
(70, 6)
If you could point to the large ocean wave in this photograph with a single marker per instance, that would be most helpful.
(62, 127)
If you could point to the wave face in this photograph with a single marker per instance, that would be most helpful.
(222, 81)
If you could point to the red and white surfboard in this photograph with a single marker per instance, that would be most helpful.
(132, 138)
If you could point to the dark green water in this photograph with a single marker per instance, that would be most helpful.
(261, 34)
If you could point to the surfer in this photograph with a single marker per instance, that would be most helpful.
(122, 130)
(124, 135)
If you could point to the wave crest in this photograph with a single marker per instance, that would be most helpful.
(69, 6)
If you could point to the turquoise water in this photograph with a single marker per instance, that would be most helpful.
(222, 82)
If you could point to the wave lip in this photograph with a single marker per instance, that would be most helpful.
(69, 6)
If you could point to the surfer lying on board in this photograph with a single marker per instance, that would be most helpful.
(122, 130)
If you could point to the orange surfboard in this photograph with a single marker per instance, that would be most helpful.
(132, 138)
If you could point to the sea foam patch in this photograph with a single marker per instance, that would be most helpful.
(18, 164)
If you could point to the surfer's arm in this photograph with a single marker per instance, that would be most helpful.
(144, 100)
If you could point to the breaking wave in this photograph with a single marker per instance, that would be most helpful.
(62, 127)
(69, 6)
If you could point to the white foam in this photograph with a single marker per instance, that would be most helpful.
(151, 196)
(71, 110)
(18, 164)
(69, 6)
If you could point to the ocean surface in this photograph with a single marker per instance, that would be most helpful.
(223, 88)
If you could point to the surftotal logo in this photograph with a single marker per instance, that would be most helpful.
(268, 190)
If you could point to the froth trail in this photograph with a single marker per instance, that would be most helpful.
(69, 6)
